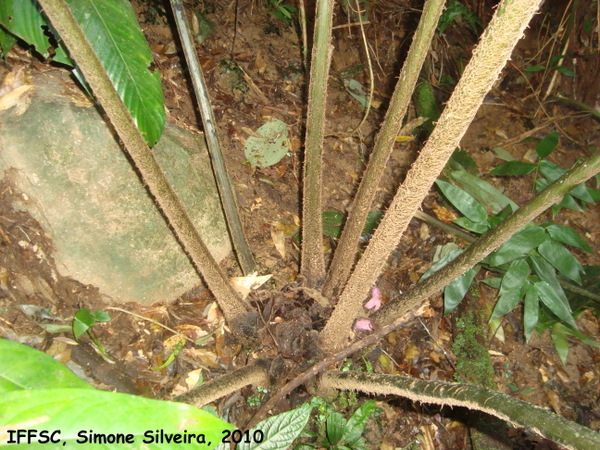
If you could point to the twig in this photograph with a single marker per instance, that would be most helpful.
(154, 322)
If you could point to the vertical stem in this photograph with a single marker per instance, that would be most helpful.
(345, 253)
(81, 50)
(312, 258)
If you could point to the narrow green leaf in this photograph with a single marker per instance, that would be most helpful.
(462, 201)
(513, 168)
(536, 68)
(567, 235)
(445, 259)
(565, 71)
(503, 154)
(555, 303)
(475, 227)
(112, 29)
(547, 273)
(531, 310)
(483, 191)
(357, 423)
(561, 344)
(280, 431)
(562, 260)
(518, 245)
(493, 282)
(514, 284)
(82, 321)
(75, 411)
(550, 170)
(336, 428)
(547, 145)
(23, 367)
(581, 192)
(456, 290)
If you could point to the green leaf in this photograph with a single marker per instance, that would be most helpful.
(550, 170)
(581, 192)
(514, 285)
(503, 154)
(75, 412)
(280, 431)
(475, 227)
(532, 69)
(456, 290)
(483, 191)
(518, 245)
(513, 168)
(112, 29)
(567, 235)
(336, 428)
(24, 19)
(332, 223)
(7, 41)
(565, 71)
(555, 303)
(269, 146)
(562, 260)
(463, 201)
(561, 344)
(23, 367)
(357, 423)
(547, 145)
(494, 282)
(445, 259)
(531, 310)
(82, 321)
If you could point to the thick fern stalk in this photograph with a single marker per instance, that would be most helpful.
(514, 411)
(312, 262)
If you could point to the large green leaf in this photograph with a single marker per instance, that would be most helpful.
(562, 260)
(79, 412)
(23, 367)
(7, 41)
(24, 19)
(518, 245)
(513, 168)
(113, 31)
(463, 201)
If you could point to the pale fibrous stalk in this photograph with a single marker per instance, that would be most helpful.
(489, 57)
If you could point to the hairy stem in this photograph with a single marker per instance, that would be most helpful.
(514, 411)
(312, 261)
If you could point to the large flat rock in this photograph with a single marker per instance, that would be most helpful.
(75, 180)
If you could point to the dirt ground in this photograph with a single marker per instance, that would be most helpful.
(33, 295)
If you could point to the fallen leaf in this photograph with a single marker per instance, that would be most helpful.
(244, 285)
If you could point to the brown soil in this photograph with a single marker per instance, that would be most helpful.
(33, 294)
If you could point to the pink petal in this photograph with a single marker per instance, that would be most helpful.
(363, 325)
(374, 302)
